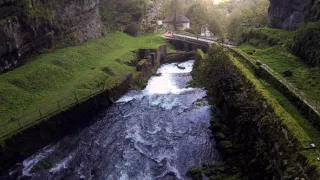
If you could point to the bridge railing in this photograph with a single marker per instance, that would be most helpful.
(195, 36)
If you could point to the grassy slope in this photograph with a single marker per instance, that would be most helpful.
(301, 128)
(279, 59)
(57, 75)
(267, 91)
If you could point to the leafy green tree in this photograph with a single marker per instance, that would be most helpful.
(176, 9)
(246, 14)
(215, 23)
(198, 16)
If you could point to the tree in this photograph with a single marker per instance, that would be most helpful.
(176, 10)
(246, 14)
(198, 16)
(216, 29)
(233, 25)
(215, 23)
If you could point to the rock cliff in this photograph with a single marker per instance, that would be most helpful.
(149, 21)
(286, 14)
(27, 26)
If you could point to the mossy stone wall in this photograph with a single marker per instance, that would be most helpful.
(263, 145)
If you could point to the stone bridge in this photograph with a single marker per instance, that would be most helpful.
(190, 43)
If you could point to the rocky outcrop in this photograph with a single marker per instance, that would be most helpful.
(27, 26)
(286, 14)
(149, 21)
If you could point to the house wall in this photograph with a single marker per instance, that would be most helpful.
(183, 26)
(186, 26)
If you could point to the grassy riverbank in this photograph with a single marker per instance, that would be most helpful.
(256, 127)
(272, 47)
(62, 74)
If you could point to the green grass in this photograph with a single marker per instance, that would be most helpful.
(310, 130)
(271, 35)
(278, 57)
(48, 78)
(287, 119)
(297, 124)
(305, 78)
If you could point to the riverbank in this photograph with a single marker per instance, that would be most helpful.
(157, 132)
(23, 142)
(275, 48)
(55, 79)
(256, 134)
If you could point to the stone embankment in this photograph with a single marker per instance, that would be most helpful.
(264, 140)
(24, 142)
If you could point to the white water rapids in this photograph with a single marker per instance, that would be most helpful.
(157, 133)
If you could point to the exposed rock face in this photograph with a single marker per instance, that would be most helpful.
(286, 14)
(149, 21)
(27, 26)
(81, 19)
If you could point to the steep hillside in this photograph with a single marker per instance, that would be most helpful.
(303, 16)
(28, 26)
(286, 14)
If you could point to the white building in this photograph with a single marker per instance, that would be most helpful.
(177, 19)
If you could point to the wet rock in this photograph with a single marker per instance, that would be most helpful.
(180, 67)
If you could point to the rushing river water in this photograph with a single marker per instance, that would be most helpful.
(157, 133)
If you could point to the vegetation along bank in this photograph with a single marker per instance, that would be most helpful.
(258, 137)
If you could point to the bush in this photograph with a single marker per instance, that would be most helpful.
(220, 136)
(225, 144)
(211, 171)
(195, 173)
(307, 43)
(41, 166)
(132, 29)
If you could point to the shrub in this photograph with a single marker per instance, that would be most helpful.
(220, 136)
(132, 29)
(225, 144)
(195, 173)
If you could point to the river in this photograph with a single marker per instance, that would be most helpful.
(156, 133)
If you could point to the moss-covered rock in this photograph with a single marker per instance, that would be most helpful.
(220, 136)
(225, 145)
(41, 166)
(195, 173)
(210, 171)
